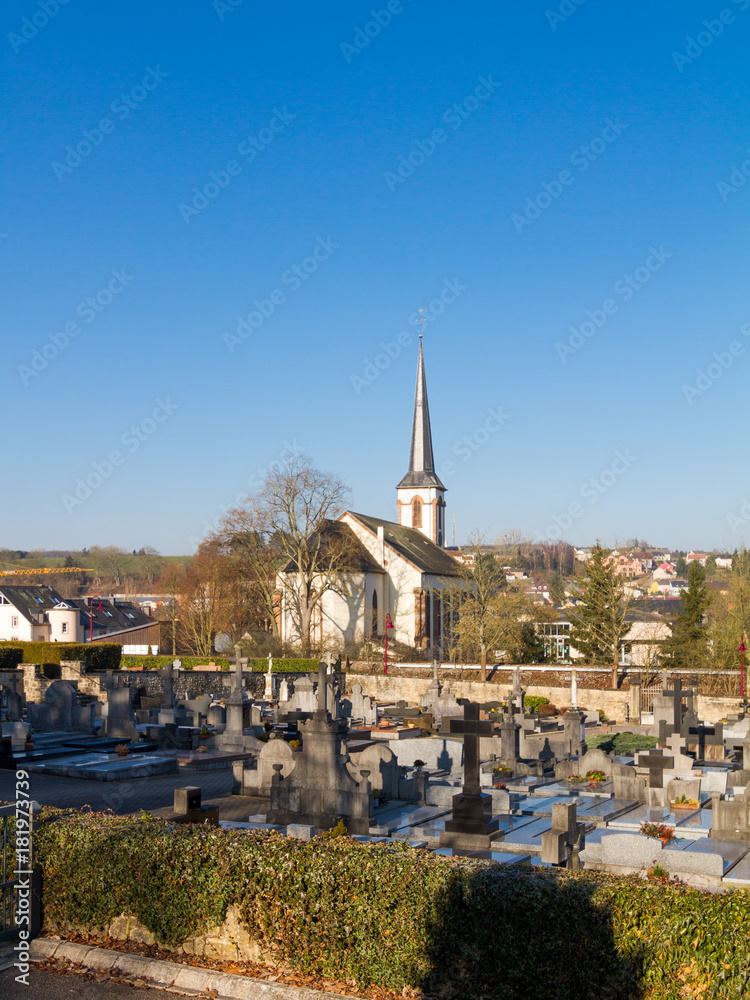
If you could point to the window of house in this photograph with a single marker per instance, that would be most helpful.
(65, 626)
(374, 623)
(416, 513)
(14, 621)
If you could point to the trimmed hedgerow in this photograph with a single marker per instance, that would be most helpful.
(393, 916)
(196, 662)
(96, 655)
(10, 657)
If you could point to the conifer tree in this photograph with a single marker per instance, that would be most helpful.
(598, 621)
(688, 645)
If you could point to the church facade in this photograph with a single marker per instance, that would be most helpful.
(396, 571)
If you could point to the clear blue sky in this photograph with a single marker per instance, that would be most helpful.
(304, 128)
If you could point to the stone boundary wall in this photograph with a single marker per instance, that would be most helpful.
(410, 689)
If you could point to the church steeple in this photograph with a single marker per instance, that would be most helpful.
(420, 493)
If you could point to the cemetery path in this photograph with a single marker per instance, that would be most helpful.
(155, 794)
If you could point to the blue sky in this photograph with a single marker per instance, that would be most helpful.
(191, 166)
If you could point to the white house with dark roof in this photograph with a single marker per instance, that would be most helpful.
(40, 614)
(397, 569)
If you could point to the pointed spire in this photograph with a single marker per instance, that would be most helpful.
(421, 459)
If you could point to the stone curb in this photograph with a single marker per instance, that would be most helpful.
(174, 976)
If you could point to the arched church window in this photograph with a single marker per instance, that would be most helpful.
(374, 622)
(416, 513)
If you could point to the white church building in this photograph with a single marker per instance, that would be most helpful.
(398, 571)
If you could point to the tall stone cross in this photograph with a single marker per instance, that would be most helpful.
(322, 688)
(574, 688)
(471, 729)
(240, 661)
(167, 683)
(656, 762)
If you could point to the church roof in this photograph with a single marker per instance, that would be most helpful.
(421, 459)
(340, 546)
(413, 545)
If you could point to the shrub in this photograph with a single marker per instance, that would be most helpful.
(621, 744)
(96, 655)
(534, 701)
(409, 918)
(10, 657)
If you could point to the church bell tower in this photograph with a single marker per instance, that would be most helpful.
(420, 494)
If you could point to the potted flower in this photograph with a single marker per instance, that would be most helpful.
(294, 744)
(576, 779)
(419, 764)
(29, 741)
(683, 802)
(204, 732)
(121, 749)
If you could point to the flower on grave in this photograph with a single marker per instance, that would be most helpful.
(419, 764)
(596, 775)
(659, 831)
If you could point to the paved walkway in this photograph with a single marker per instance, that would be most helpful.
(155, 794)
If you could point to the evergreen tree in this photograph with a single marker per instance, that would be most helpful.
(598, 622)
(688, 645)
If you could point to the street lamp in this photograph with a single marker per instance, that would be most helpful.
(388, 624)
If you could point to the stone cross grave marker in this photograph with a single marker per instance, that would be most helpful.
(471, 729)
(657, 763)
(240, 662)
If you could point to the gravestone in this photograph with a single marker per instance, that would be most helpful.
(188, 808)
(268, 692)
(283, 692)
(320, 791)
(517, 695)
(471, 826)
(13, 703)
(59, 702)
(574, 727)
(384, 768)
(510, 741)
(256, 780)
(562, 843)
(363, 707)
(119, 722)
(708, 741)
(303, 699)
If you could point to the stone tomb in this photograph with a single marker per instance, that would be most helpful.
(471, 826)
(320, 790)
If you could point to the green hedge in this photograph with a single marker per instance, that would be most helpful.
(10, 657)
(196, 662)
(96, 656)
(396, 917)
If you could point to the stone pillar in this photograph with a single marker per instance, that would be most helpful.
(510, 741)
(746, 754)
(574, 688)
(636, 703)
(575, 734)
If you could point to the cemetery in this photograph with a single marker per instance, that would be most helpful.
(465, 793)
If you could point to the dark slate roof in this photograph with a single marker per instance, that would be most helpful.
(421, 459)
(110, 617)
(653, 610)
(31, 600)
(342, 542)
(413, 546)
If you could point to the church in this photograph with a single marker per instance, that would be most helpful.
(398, 572)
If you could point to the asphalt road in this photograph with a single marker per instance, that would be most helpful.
(45, 985)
